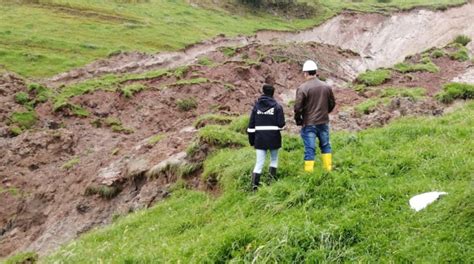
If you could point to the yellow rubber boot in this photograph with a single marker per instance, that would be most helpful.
(309, 165)
(327, 161)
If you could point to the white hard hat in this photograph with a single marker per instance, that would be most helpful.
(309, 65)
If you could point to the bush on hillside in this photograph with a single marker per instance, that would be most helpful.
(220, 136)
(452, 91)
(462, 39)
(419, 67)
(373, 78)
(187, 104)
(462, 54)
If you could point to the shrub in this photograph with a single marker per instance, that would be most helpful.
(452, 91)
(373, 78)
(403, 92)
(15, 130)
(205, 61)
(208, 119)
(437, 53)
(228, 51)
(240, 124)
(462, 54)
(24, 120)
(71, 163)
(221, 137)
(192, 81)
(420, 67)
(22, 98)
(187, 104)
(24, 257)
(155, 139)
(129, 90)
(106, 192)
(462, 39)
(367, 106)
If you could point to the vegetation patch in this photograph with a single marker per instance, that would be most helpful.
(155, 139)
(214, 119)
(418, 67)
(414, 93)
(22, 98)
(192, 81)
(240, 124)
(187, 104)
(374, 78)
(71, 163)
(437, 53)
(115, 124)
(205, 61)
(228, 51)
(106, 192)
(220, 136)
(462, 39)
(23, 258)
(24, 120)
(357, 213)
(453, 91)
(368, 106)
(462, 54)
(131, 89)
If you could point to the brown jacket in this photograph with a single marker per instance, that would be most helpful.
(314, 101)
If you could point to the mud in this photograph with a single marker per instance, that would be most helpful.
(50, 176)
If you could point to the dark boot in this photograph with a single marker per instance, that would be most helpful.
(255, 181)
(273, 173)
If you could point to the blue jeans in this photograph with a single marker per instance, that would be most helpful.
(309, 134)
(261, 155)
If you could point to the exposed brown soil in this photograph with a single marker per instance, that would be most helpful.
(48, 174)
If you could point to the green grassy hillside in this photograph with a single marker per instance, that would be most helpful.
(38, 40)
(358, 213)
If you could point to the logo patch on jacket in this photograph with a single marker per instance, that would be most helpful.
(270, 111)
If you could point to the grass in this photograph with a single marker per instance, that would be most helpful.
(24, 120)
(368, 106)
(24, 257)
(110, 82)
(462, 39)
(36, 38)
(22, 98)
(414, 93)
(115, 124)
(359, 213)
(374, 78)
(452, 91)
(187, 104)
(106, 192)
(437, 53)
(155, 139)
(418, 67)
(192, 81)
(71, 163)
(215, 119)
(221, 137)
(129, 90)
(462, 54)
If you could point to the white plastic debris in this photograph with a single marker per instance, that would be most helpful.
(420, 201)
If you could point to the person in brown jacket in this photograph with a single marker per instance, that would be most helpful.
(314, 101)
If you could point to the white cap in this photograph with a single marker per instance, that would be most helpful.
(309, 65)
